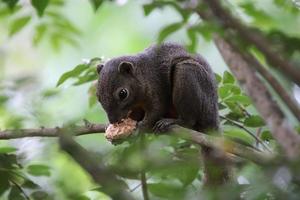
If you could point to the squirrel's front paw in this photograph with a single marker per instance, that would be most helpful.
(163, 125)
(143, 126)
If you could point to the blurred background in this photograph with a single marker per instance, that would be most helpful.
(35, 51)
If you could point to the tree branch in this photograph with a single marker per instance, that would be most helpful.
(255, 37)
(51, 132)
(278, 88)
(266, 106)
(223, 144)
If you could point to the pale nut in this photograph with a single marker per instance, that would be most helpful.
(120, 130)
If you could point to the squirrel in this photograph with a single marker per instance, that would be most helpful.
(159, 87)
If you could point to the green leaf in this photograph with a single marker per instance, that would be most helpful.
(236, 116)
(10, 3)
(297, 128)
(239, 134)
(169, 191)
(3, 99)
(96, 4)
(242, 99)
(72, 73)
(92, 95)
(7, 149)
(39, 170)
(18, 24)
(218, 78)
(224, 91)
(30, 184)
(227, 77)
(266, 135)
(227, 90)
(254, 121)
(40, 31)
(166, 31)
(50, 93)
(15, 194)
(206, 30)
(4, 184)
(148, 8)
(82, 197)
(259, 17)
(40, 6)
(192, 34)
(85, 79)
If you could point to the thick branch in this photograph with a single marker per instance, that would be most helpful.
(223, 144)
(268, 108)
(254, 37)
(278, 88)
(202, 139)
(50, 132)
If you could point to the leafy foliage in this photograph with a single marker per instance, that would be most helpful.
(172, 165)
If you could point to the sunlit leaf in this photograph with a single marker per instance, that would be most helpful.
(148, 8)
(92, 95)
(50, 93)
(11, 3)
(164, 190)
(40, 6)
(266, 135)
(18, 24)
(218, 78)
(3, 99)
(235, 116)
(254, 121)
(96, 4)
(82, 197)
(40, 32)
(242, 99)
(72, 73)
(39, 170)
(86, 78)
(228, 78)
(192, 34)
(7, 149)
(240, 134)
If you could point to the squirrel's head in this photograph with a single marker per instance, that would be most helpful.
(119, 91)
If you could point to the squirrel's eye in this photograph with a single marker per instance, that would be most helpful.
(123, 93)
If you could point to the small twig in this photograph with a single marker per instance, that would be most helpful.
(244, 110)
(51, 132)
(144, 185)
(20, 189)
(250, 133)
(135, 187)
(258, 132)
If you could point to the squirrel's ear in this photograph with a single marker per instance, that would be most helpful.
(125, 67)
(99, 68)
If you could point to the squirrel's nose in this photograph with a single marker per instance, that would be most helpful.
(113, 119)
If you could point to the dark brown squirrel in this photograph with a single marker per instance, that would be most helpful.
(159, 87)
